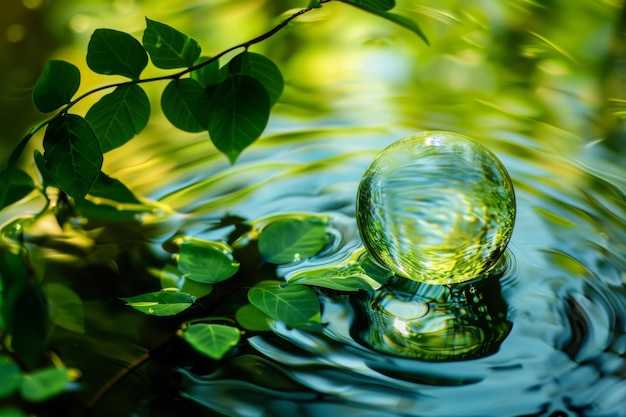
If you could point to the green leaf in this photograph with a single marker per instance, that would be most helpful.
(209, 74)
(43, 384)
(251, 318)
(40, 163)
(19, 183)
(380, 8)
(380, 5)
(106, 212)
(169, 48)
(315, 4)
(261, 69)
(292, 240)
(56, 86)
(351, 277)
(206, 262)
(73, 155)
(162, 303)
(119, 116)
(212, 340)
(10, 375)
(112, 189)
(171, 277)
(295, 305)
(112, 52)
(239, 110)
(66, 307)
(186, 105)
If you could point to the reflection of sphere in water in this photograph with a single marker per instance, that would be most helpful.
(435, 322)
(436, 207)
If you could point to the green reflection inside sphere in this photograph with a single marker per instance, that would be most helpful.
(436, 207)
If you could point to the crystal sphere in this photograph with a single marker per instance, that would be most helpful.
(436, 207)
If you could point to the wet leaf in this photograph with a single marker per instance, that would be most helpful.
(295, 305)
(66, 307)
(169, 48)
(212, 340)
(43, 384)
(261, 69)
(206, 262)
(239, 110)
(10, 375)
(162, 303)
(112, 189)
(292, 240)
(19, 184)
(119, 116)
(251, 318)
(380, 8)
(73, 155)
(171, 277)
(112, 52)
(186, 105)
(56, 86)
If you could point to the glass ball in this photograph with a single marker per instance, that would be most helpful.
(436, 207)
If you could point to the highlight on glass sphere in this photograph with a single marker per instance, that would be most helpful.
(436, 207)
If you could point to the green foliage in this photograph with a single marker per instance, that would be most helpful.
(295, 305)
(212, 340)
(119, 116)
(381, 8)
(206, 262)
(56, 86)
(239, 109)
(11, 412)
(186, 105)
(112, 189)
(291, 240)
(73, 155)
(251, 318)
(169, 48)
(43, 384)
(19, 185)
(112, 52)
(261, 69)
(162, 303)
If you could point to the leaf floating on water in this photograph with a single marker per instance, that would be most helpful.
(291, 240)
(162, 303)
(212, 340)
(251, 318)
(206, 262)
(44, 384)
(295, 305)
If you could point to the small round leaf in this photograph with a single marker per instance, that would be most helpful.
(56, 86)
(261, 69)
(112, 52)
(43, 384)
(212, 340)
(292, 240)
(186, 105)
(169, 48)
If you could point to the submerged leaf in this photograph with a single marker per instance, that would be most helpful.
(251, 318)
(119, 116)
(206, 262)
(292, 240)
(239, 110)
(43, 384)
(112, 52)
(73, 155)
(162, 303)
(212, 340)
(295, 305)
(186, 105)
(169, 48)
(56, 86)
